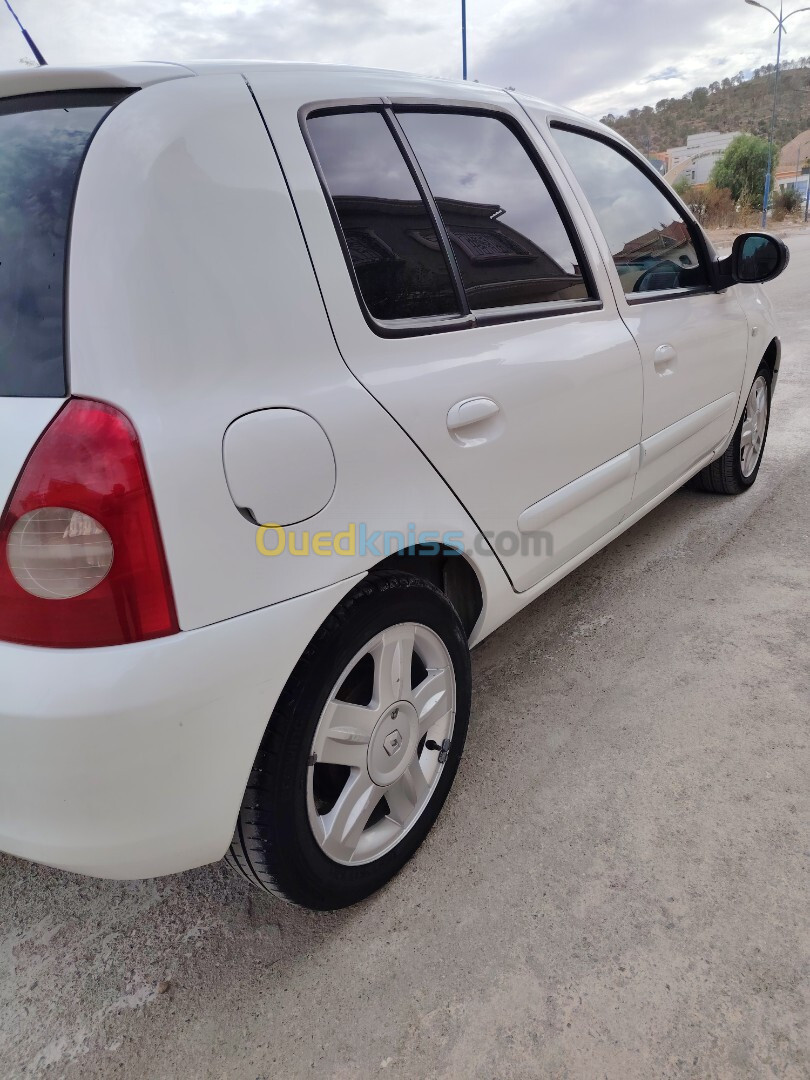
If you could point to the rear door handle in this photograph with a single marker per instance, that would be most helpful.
(471, 411)
(664, 359)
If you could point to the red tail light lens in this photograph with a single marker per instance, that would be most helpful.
(81, 559)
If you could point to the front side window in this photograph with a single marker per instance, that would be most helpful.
(400, 267)
(649, 240)
(508, 238)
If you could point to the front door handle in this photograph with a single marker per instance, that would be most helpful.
(471, 411)
(664, 359)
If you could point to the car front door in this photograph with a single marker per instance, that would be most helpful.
(693, 341)
(465, 300)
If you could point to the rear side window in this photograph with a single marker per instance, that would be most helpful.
(651, 243)
(43, 139)
(400, 267)
(508, 237)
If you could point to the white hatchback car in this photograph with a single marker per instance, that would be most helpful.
(310, 378)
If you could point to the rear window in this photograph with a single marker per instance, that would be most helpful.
(43, 138)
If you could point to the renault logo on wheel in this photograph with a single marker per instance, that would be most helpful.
(392, 743)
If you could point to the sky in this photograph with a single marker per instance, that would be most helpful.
(597, 56)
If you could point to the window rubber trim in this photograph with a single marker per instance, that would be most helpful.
(401, 139)
(466, 319)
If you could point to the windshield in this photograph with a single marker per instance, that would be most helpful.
(43, 138)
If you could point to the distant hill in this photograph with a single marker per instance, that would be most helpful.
(737, 104)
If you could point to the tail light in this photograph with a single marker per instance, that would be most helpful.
(81, 559)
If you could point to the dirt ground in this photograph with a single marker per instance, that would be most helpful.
(616, 888)
(788, 229)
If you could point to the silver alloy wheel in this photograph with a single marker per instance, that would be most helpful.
(377, 751)
(754, 423)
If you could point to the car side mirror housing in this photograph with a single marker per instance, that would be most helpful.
(755, 258)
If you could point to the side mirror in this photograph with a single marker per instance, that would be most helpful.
(754, 258)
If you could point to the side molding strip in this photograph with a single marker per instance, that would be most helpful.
(669, 437)
(573, 495)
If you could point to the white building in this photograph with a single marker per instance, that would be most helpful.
(697, 159)
(793, 168)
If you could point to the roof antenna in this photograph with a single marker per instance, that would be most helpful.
(40, 59)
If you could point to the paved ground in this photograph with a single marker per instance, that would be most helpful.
(618, 884)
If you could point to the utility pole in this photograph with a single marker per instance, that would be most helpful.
(464, 39)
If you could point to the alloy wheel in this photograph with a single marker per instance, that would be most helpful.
(381, 744)
(754, 426)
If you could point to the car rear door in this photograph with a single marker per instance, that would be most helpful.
(468, 303)
(693, 341)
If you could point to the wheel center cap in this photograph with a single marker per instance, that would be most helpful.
(393, 743)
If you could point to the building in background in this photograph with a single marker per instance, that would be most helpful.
(793, 169)
(660, 162)
(696, 160)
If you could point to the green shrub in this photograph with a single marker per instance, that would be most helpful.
(786, 201)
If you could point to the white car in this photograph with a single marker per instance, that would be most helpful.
(310, 378)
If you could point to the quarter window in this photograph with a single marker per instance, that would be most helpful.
(400, 266)
(43, 139)
(508, 238)
(651, 243)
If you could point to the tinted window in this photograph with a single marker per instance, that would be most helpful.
(650, 242)
(509, 241)
(400, 267)
(41, 151)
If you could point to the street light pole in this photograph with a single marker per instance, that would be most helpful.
(781, 19)
(768, 174)
(464, 39)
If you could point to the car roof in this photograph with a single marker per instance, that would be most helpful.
(36, 79)
(33, 80)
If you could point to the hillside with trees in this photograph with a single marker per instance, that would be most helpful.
(736, 104)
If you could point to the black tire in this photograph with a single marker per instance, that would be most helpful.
(274, 845)
(724, 476)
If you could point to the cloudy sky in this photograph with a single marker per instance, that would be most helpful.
(597, 55)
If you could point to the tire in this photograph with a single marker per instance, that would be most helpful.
(335, 806)
(732, 473)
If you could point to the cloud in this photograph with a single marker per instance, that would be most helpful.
(597, 55)
(662, 76)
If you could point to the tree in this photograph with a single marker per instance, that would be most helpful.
(742, 169)
(683, 185)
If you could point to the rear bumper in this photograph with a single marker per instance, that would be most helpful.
(132, 761)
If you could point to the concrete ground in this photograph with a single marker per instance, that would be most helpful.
(616, 888)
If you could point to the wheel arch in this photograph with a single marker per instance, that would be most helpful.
(772, 357)
(449, 570)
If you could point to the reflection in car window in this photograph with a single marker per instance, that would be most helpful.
(400, 267)
(649, 240)
(509, 240)
(41, 151)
